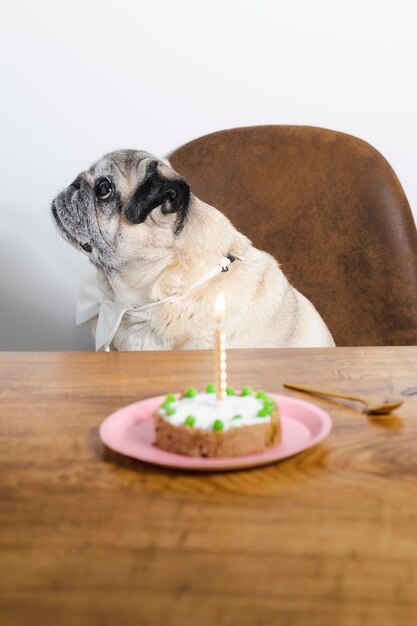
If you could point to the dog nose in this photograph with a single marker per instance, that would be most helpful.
(76, 183)
(54, 211)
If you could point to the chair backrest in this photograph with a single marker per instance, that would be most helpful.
(330, 209)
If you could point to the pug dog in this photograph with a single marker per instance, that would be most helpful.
(151, 238)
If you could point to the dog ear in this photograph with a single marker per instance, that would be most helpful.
(171, 194)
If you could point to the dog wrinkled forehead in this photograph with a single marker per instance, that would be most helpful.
(118, 162)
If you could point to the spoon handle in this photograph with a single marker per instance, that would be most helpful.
(325, 392)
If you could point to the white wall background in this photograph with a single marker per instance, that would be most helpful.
(81, 78)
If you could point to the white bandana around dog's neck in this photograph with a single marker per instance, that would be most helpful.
(93, 303)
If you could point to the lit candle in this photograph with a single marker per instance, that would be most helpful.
(220, 349)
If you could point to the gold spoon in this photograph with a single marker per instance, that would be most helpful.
(373, 409)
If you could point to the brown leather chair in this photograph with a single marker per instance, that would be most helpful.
(330, 209)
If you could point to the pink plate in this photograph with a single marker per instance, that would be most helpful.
(130, 431)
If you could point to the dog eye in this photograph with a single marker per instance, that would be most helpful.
(104, 189)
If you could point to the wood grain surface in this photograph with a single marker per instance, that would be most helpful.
(91, 538)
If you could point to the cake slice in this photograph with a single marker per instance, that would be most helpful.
(197, 424)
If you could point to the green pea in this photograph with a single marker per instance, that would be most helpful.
(263, 413)
(269, 404)
(170, 410)
(211, 388)
(218, 425)
(230, 391)
(191, 392)
(236, 417)
(247, 391)
(189, 420)
(170, 398)
(165, 405)
(261, 395)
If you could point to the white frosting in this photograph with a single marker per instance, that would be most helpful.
(207, 409)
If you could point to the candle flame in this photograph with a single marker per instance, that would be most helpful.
(220, 305)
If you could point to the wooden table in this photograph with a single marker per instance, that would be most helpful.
(91, 538)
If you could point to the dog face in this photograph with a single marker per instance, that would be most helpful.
(105, 210)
